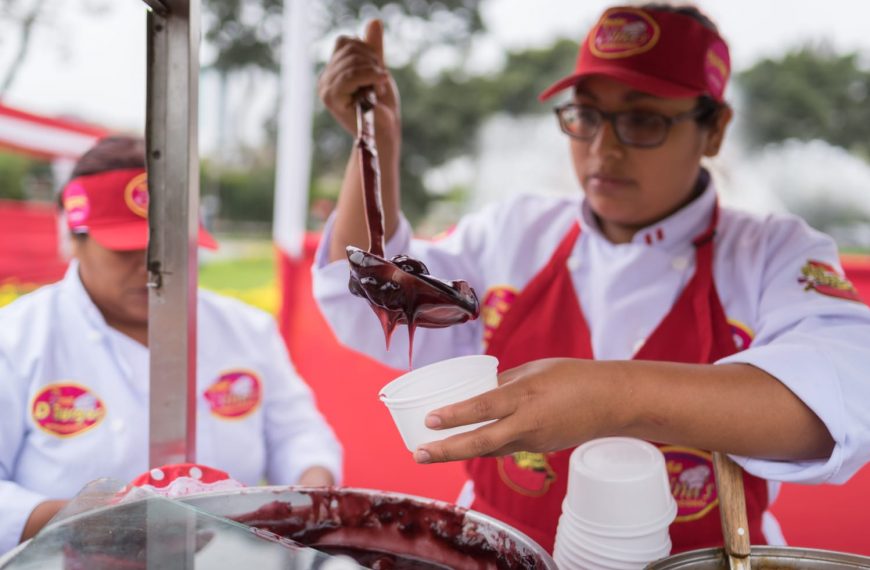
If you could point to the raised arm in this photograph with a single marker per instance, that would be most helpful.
(357, 63)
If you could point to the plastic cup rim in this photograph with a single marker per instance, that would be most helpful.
(403, 378)
(384, 396)
(433, 395)
(441, 400)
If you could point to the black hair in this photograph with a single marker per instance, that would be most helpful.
(685, 9)
(115, 152)
(708, 111)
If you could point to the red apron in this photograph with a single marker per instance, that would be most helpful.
(545, 320)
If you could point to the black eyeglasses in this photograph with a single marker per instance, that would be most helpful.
(642, 129)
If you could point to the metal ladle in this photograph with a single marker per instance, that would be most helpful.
(400, 290)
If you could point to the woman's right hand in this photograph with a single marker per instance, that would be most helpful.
(357, 63)
(354, 64)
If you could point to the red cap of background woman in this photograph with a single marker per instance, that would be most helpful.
(112, 208)
(662, 53)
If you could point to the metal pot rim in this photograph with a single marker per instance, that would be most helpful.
(692, 558)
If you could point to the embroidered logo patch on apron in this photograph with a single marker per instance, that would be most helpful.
(235, 394)
(66, 409)
(742, 334)
(693, 484)
(527, 473)
(496, 303)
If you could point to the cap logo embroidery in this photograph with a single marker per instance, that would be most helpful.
(76, 205)
(136, 195)
(235, 394)
(825, 279)
(716, 67)
(66, 409)
(623, 32)
(693, 484)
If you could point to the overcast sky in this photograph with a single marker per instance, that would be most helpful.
(88, 56)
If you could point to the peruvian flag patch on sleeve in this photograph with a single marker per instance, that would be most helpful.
(825, 279)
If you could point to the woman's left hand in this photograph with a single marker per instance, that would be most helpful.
(541, 406)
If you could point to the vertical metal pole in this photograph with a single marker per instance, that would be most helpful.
(173, 180)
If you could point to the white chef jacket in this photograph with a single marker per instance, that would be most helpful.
(816, 344)
(56, 336)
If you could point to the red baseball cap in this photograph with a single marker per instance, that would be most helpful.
(112, 208)
(667, 54)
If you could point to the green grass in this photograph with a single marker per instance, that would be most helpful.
(240, 274)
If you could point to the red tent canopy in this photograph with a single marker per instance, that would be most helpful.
(45, 137)
(28, 230)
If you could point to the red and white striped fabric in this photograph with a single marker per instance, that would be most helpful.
(28, 230)
(45, 137)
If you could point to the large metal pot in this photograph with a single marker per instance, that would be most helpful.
(407, 525)
(765, 558)
(157, 533)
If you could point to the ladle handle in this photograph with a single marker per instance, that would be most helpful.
(732, 509)
(370, 171)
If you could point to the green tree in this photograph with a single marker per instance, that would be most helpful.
(25, 16)
(23, 177)
(526, 73)
(244, 34)
(246, 193)
(809, 93)
(440, 115)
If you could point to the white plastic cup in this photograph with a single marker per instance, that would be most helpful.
(617, 533)
(569, 559)
(412, 396)
(575, 560)
(619, 483)
(653, 547)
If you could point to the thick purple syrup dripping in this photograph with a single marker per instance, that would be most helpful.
(399, 290)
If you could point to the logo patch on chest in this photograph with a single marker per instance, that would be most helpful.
(690, 472)
(66, 409)
(235, 394)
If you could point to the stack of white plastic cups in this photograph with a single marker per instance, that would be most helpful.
(617, 509)
(413, 395)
